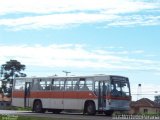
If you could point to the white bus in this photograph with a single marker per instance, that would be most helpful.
(90, 94)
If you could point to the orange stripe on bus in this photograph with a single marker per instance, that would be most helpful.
(56, 94)
(66, 94)
(18, 94)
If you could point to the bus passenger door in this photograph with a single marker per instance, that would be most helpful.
(101, 95)
(27, 94)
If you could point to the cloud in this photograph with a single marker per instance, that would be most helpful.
(35, 14)
(136, 20)
(55, 20)
(52, 6)
(75, 56)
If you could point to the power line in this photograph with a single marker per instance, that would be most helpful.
(143, 94)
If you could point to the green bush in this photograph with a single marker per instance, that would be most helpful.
(18, 108)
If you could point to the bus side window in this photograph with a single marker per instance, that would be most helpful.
(82, 85)
(89, 84)
(68, 85)
(62, 84)
(48, 85)
(75, 84)
(35, 85)
(106, 88)
(96, 88)
(56, 85)
(42, 84)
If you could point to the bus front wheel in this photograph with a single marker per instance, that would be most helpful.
(37, 107)
(90, 108)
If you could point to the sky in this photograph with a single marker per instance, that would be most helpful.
(85, 37)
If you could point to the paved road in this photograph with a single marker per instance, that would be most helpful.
(72, 116)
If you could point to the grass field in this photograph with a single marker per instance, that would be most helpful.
(39, 118)
(15, 117)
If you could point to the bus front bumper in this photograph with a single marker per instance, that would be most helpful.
(120, 105)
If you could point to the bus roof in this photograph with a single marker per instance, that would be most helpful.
(89, 76)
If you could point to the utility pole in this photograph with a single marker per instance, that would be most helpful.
(66, 72)
(139, 92)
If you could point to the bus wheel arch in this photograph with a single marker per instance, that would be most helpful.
(89, 107)
(37, 106)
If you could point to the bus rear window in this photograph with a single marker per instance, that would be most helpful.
(19, 85)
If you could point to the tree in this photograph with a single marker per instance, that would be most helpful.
(9, 71)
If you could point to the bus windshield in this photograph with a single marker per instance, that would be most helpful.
(120, 87)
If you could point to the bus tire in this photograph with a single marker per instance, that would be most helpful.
(37, 107)
(90, 108)
(109, 112)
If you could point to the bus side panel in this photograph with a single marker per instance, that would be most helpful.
(19, 102)
(48, 103)
(51, 99)
(71, 103)
(18, 98)
(70, 100)
(56, 103)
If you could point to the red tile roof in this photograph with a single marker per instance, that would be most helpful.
(144, 102)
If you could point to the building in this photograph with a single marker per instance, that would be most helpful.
(144, 105)
(4, 101)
